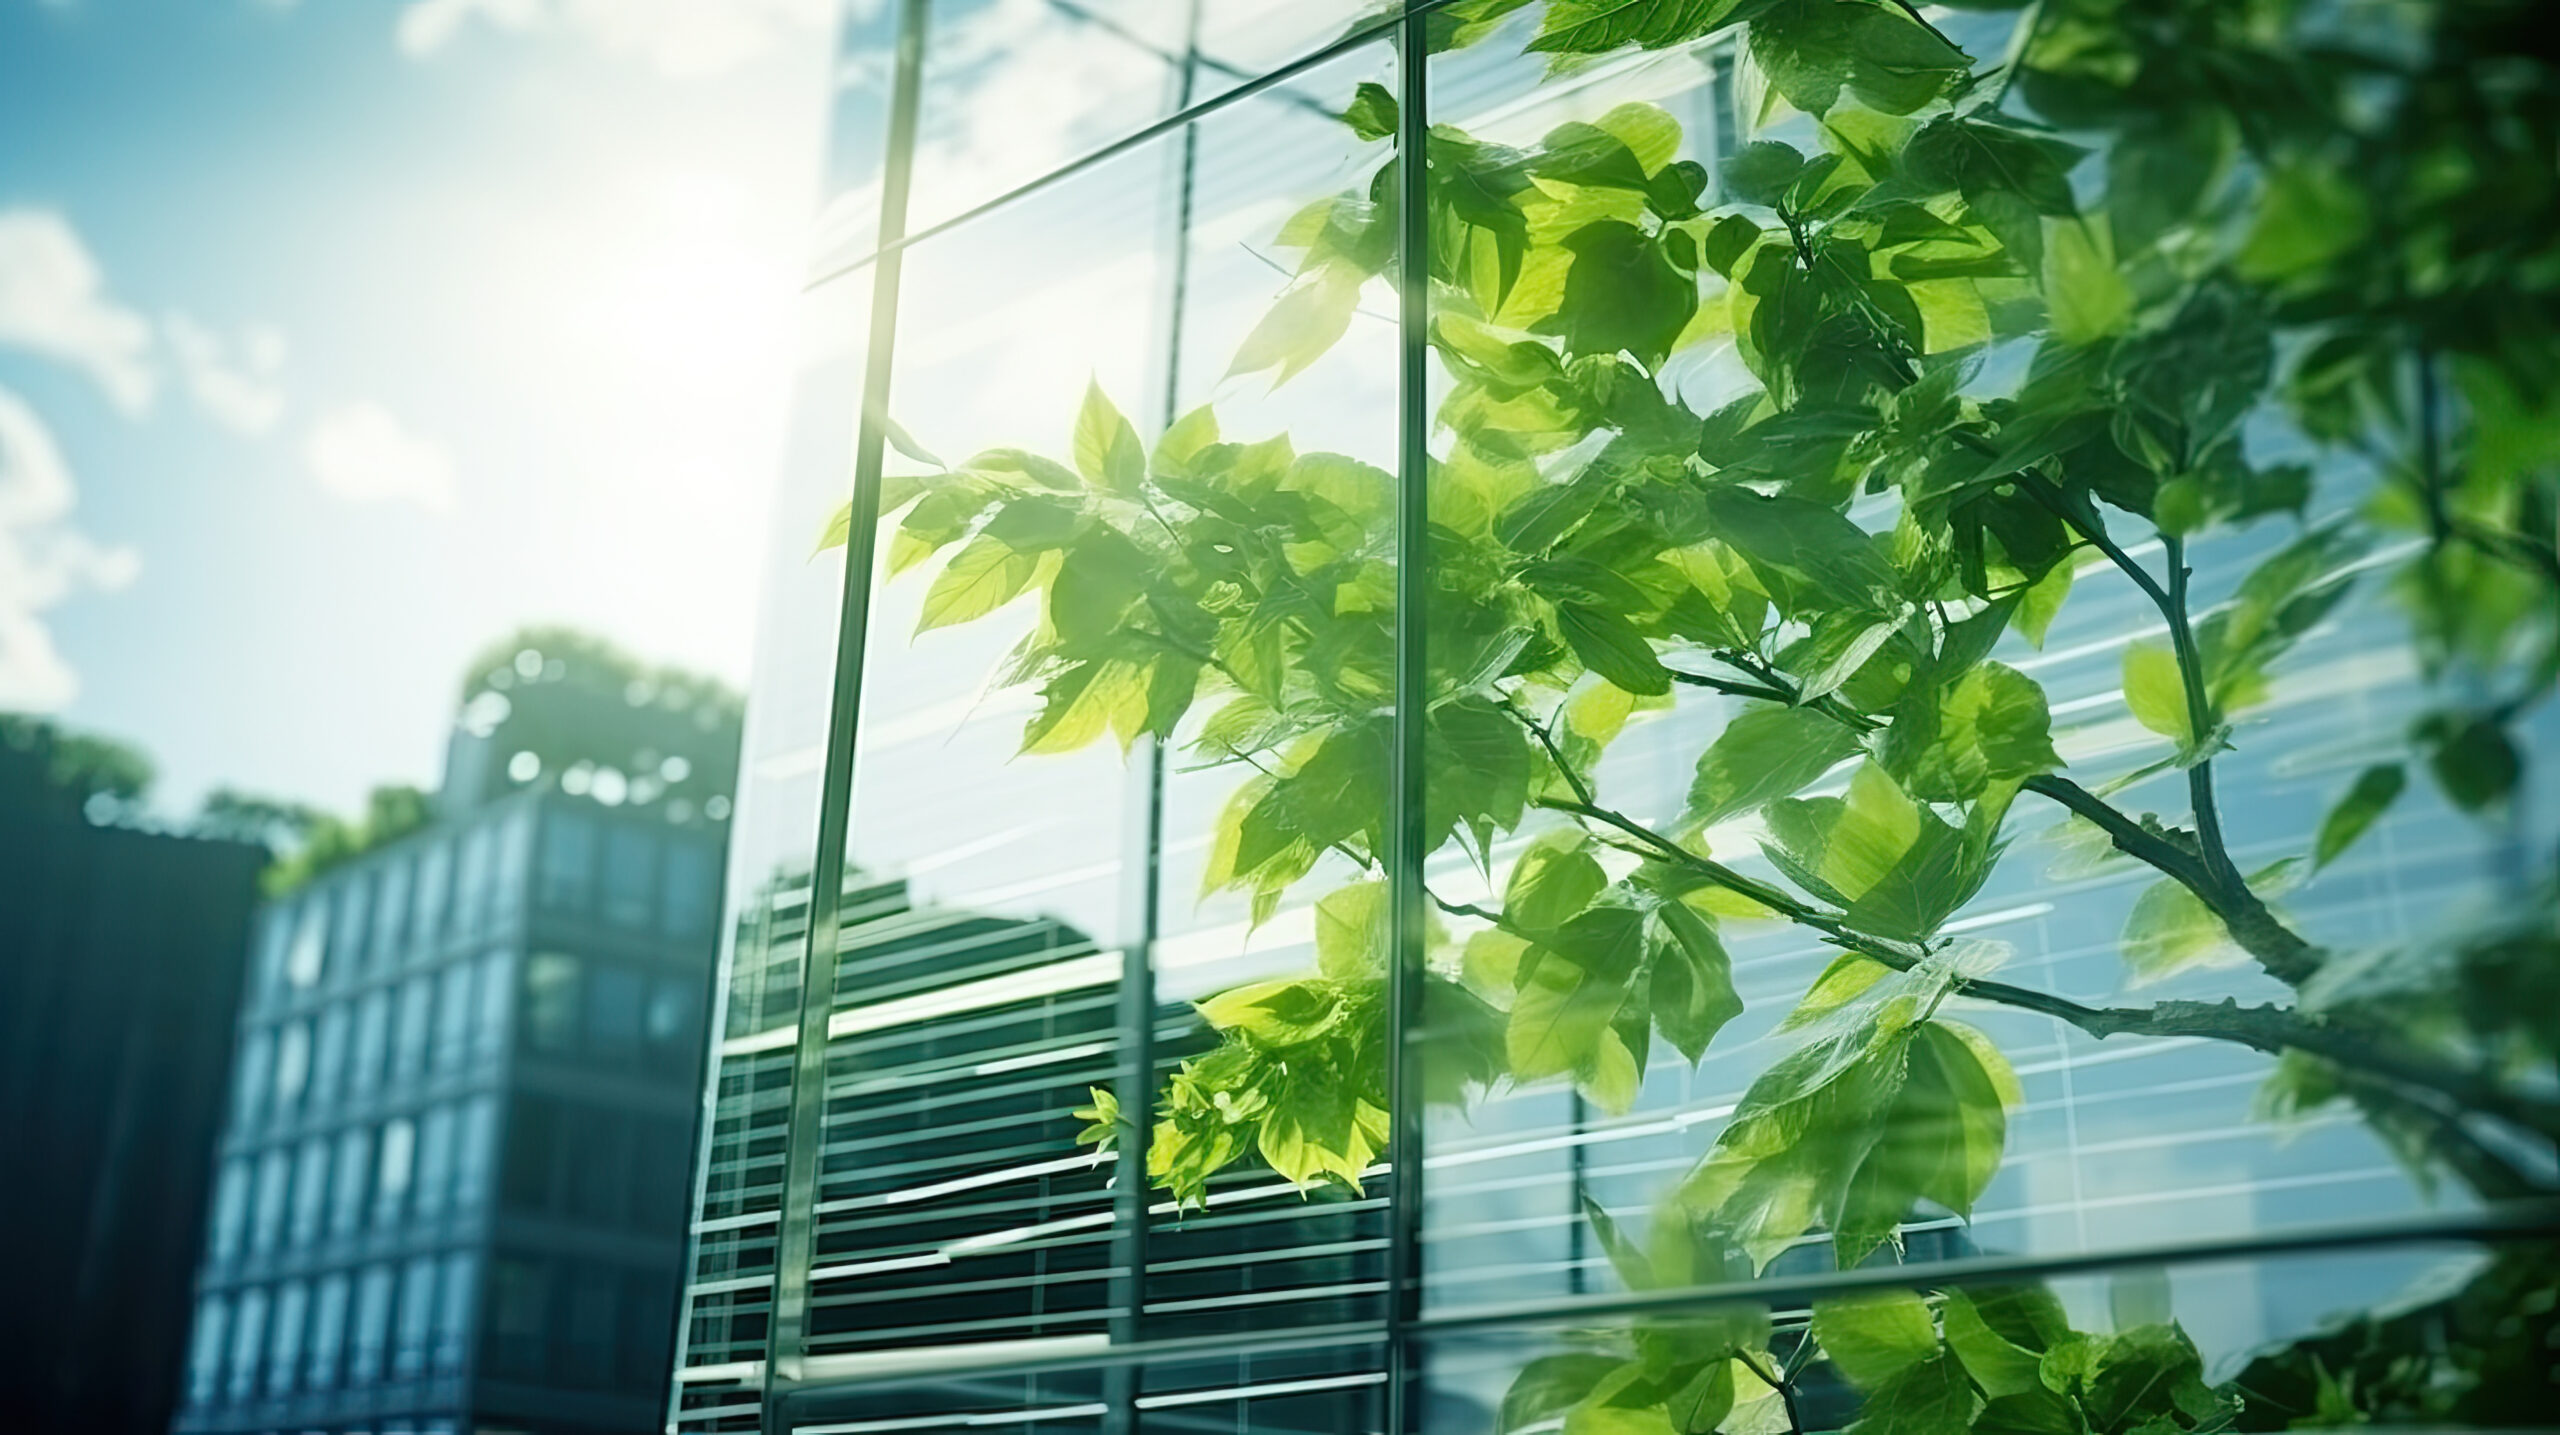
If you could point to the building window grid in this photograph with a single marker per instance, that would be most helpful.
(704, 1315)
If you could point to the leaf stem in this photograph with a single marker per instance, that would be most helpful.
(2201, 719)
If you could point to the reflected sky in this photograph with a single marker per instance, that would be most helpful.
(336, 340)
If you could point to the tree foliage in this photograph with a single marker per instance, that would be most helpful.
(2010, 320)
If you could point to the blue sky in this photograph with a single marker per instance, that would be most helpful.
(337, 338)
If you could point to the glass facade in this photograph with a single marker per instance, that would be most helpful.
(1503, 974)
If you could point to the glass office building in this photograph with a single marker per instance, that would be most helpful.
(898, 1227)
(450, 1193)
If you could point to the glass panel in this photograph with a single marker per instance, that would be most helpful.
(551, 982)
(414, 1333)
(2421, 1334)
(434, 1181)
(454, 1010)
(248, 1342)
(391, 909)
(293, 1065)
(567, 879)
(475, 1153)
(395, 1171)
(204, 1350)
(372, 1040)
(353, 897)
(310, 1192)
(429, 898)
(630, 875)
(353, 1183)
(275, 1173)
(308, 954)
(230, 1209)
(328, 1330)
(284, 1341)
(494, 1025)
(253, 1080)
(409, 1040)
(372, 1325)
(453, 1320)
(329, 1056)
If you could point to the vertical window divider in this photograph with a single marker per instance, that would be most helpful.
(796, 1238)
(1410, 719)
(1133, 1080)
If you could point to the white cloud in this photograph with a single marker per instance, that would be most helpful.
(361, 453)
(232, 381)
(679, 37)
(42, 560)
(54, 301)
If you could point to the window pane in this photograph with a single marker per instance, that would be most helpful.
(409, 1042)
(230, 1209)
(353, 1183)
(630, 875)
(454, 1010)
(566, 881)
(371, 1042)
(205, 1348)
(310, 1191)
(391, 910)
(353, 896)
(248, 1343)
(395, 1172)
(254, 1079)
(415, 1329)
(328, 1330)
(275, 1173)
(453, 1323)
(293, 1065)
(435, 1162)
(551, 1002)
(475, 1153)
(284, 1341)
(309, 953)
(372, 1326)
(497, 1006)
(329, 1056)
(428, 899)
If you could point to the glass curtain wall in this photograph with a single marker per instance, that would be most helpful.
(1593, 717)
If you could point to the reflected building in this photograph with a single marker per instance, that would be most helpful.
(452, 1185)
(121, 954)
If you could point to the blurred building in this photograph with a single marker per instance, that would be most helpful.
(453, 1183)
(120, 960)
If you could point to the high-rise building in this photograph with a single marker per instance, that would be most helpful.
(452, 1186)
(121, 953)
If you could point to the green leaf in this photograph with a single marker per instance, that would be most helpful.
(1942, 1139)
(983, 576)
(1553, 881)
(1758, 173)
(1991, 726)
(2170, 931)
(1996, 1363)
(1691, 994)
(1571, 989)
(2311, 215)
(1191, 433)
(1803, 47)
(1873, 1337)
(1622, 293)
(1932, 1397)
(1897, 65)
(2157, 693)
(1302, 325)
(1550, 1385)
(2083, 290)
(1610, 646)
(2041, 601)
(1372, 115)
(1106, 446)
(2472, 759)
(2375, 789)
(1766, 753)
(1625, 1256)
(1809, 557)
(1352, 931)
(1593, 27)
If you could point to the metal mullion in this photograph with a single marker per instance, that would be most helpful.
(1134, 1081)
(1406, 832)
(787, 1328)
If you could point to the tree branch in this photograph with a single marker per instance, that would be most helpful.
(2256, 929)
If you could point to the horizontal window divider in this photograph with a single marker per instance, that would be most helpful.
(1376, 31)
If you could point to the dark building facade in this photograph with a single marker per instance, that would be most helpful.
(120, 957)
(452, 1188)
